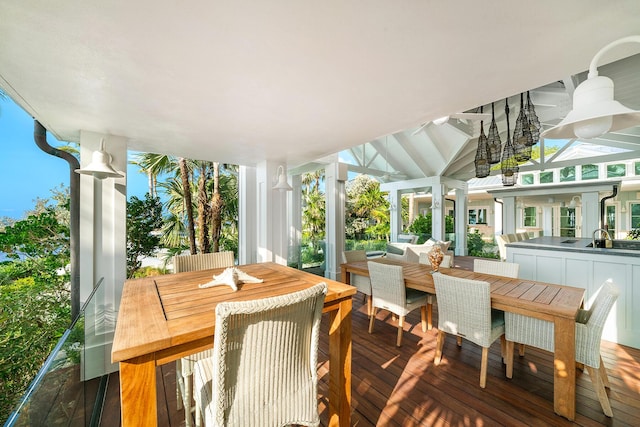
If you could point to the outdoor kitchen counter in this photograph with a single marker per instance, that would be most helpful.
(570, 261)
(575, 244)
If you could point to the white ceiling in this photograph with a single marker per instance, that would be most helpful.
(244, 81)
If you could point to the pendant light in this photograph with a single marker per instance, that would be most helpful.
(522, 139)
(595, 112)
(100, 166)
(509, 165)
(282, 185)
(493, 140)
(483, 167)
(534, 122)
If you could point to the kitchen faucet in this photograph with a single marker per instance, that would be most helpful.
(608, 243)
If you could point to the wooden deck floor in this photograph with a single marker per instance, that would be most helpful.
(402, 387)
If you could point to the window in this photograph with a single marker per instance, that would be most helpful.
(527, 179)
(637, 167)
(568, 174)
(617, 170)
(530, 215)
(568, 222)
(589, 172)
(546, 177)
(635, 215)
(611, 220)
(478, 216)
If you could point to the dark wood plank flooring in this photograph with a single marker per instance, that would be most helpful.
(402, 387)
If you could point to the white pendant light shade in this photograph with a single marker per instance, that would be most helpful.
(595, 112)
(282, 184)
(100, 165)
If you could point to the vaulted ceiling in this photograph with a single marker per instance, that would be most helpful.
(449, 149)
(247, 81)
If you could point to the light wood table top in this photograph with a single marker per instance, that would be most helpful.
(166, 317)
(552, 302)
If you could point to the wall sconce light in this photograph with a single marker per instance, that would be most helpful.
(572, 203)
(282, 184)
(623, 209)
(100, 166)
(595, 112)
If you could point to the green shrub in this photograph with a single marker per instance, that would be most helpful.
(476, 246)
(33, 316)
(633, 234)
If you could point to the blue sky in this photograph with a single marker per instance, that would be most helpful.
(27, 173)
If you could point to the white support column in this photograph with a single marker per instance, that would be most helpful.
(395, 214)
(509, 214)
(547, 220)
(437, 211)
(461, 222)
(590, 213)
(247, 216)
(103, 248)
(335, 177)
(498, 212)
(519, 215)
(272, 231)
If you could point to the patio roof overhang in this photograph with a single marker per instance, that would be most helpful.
(246, 82)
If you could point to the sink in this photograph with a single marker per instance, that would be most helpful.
(569, 241)
(622, 244)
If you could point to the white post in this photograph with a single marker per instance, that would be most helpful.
(461, 222)
(590, 214)
(247, 215)
(437, 211)
(547, 220)
(509, 214)
(395, 214)
(335, 177)
(272, 232)
(103, 249)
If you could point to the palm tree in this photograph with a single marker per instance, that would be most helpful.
(217, 204)
(188, 205)
(204, 210)
(153, 165)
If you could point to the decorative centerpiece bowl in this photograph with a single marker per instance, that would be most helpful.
(435, 257)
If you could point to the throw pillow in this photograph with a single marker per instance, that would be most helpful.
(394, 250)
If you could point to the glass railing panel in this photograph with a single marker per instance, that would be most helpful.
(59, 395)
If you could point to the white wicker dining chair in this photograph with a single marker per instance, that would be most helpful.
(464, 310)
(182, 263)
(263, 371)
(389, 293)
(497, 268)
(589, 326)
(184, 366)
(362, 283)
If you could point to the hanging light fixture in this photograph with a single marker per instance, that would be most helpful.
(534, 122)
(522, 139)
(509, 165)
(572, 203)
(100, 166)
(595, 112)
(483, 167)
(282, 184)
(493, 140)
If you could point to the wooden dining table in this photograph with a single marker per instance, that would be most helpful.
(555, 303)
(164, 318)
